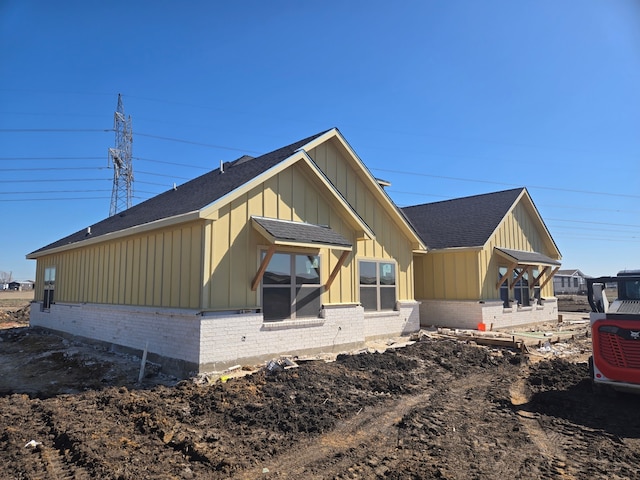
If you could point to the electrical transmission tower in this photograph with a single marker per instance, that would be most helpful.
(120, 158)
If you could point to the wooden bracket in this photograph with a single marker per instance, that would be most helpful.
(336, 269)
(549, 277)
(263, 267)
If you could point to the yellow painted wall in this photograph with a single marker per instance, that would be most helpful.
(520, 230)
(210, 264)
(390, 243)
(160, 268)
(469, 274)
(292, 194)
(448, 275)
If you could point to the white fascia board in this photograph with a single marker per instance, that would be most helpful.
(146, 227)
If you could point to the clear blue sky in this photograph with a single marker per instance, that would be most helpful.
(443, 98)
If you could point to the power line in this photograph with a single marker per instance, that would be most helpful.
(58, 180)
(53, 191)
(171, 163)
(43, 169)
(50, 199)
(179, 140)
(55, 130)
(594, 223)
(6, 159)
(558, 189)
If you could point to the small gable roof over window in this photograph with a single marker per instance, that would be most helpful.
(527, 258)
(285, 232)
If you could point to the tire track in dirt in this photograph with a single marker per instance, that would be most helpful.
(367, 429)
(550, 444)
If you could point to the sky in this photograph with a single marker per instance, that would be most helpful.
(444, 99)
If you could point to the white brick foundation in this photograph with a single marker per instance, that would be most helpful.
(184, 341)
(468, 314)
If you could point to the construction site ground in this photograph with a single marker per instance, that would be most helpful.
(445, 404)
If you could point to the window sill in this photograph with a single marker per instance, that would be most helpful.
(382, 313)
(297, 323)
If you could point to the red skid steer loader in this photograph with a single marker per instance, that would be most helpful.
(615, 331)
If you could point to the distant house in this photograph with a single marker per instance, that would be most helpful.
(14, 286)
(491, 260)
(570, 282)
(299, 250)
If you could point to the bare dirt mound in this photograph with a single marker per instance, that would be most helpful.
(434, 409)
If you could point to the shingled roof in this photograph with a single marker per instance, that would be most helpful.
(461, 222)
(188, 197)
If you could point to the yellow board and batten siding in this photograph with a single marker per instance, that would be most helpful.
(159, 268)
(472, 273)
(390, 243)
(208, 264)
(518, 231)
(290, 194)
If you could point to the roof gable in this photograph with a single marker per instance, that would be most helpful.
(462, 222)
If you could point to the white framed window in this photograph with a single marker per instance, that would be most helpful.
(291, 286)
(377, 285)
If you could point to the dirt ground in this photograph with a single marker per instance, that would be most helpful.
(436, 408)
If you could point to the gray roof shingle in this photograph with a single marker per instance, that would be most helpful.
(461, 222)
(188, 197)
(533, 258)
(301, 232)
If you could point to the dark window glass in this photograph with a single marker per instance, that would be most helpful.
(387, 298)
(291, 287)
(307, 269)
(368, 273)
(377, 285)
(276, 303)
(278, 271)
(369, 298)
(307, 302)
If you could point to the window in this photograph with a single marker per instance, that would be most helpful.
(49, 287)
(575, 282)
(291, 287)
(520, 289)
(562, 281)
(377, 285)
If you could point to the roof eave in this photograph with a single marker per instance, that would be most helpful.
(92, 240)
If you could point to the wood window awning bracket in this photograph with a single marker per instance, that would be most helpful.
(263, 267)
(507, 275)
(336, 269)
(520, 275)
(546, 280)
(536, 281)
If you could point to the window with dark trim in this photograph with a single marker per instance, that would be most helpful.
(291, 287)
(377, 285)
(521, 292)
(49, 287)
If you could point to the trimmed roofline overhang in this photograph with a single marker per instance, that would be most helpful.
(356, 222)
(145, 227)
(417, 243)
